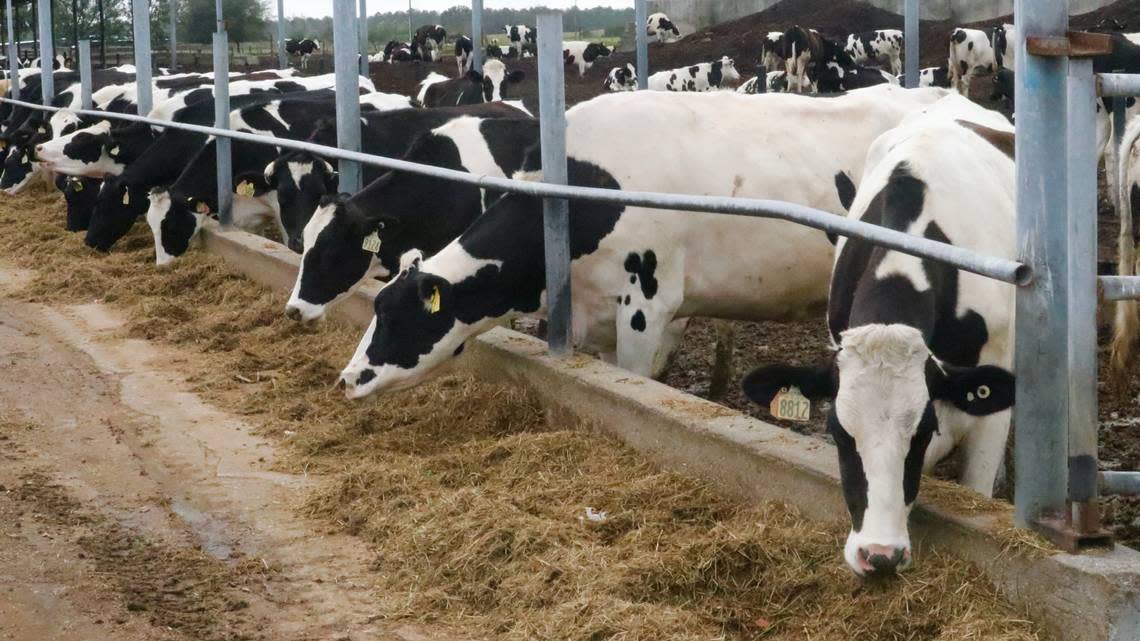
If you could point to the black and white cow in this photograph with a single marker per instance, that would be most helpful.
(302, 180)
(405, 211)
(303, 48)
(521, 37)
(878, 48)
(583, 54)
(396, 51)
(176, 212)
(440, 91)
(427, 42)
(621, 78)
(80, 194)
(498, 51)
(923, 351)
(974, 51)
(635, 270)
(930, 77)
(776, 81)
(772, 51)
(807, 53)
(463, 47)
(833, 77)
(1126, 325)
(659, 25)
(705, 76)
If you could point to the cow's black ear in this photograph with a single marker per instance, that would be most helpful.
(816, 383)
(475, 76)
(978, 391)
(518, 75)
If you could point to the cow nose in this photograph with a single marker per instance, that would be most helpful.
(882, 559)
(296, 245)
(39, 149)
(293, 313)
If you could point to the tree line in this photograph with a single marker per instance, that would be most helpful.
(254, 21)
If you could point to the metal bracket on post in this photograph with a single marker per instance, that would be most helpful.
(555, 211)
(641, 41)
(85, 73)
(47, 53)
(477, 35)
(910, 43)
(142, 56)
(222, 121)
(345, 42)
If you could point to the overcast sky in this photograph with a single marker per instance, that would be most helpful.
(315, 8)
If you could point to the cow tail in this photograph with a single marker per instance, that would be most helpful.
(1126, 331)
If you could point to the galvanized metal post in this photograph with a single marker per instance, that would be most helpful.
(362, 23)
(1082, 296)
(477, 35)
(641, 40)
(1042, 342)
(555, 211)
(47, 52)
(1118, 115)
(85, 73)
(102, 36)
(347, 89)
(142, 55)
(222, 121)
(410, 30)
(13, 52)
(282, 55)
(219, 16)
(910, 42)
(173, 35)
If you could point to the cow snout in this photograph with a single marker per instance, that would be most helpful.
(39, 150)
(342, 383)
(297, 245)
(883, 559)
(293, 313)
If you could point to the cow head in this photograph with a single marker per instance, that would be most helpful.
(301, 180)
(81, 153)
(117, 207)
(334, 260)
(595, 50)
(884, 383)
(80, 194)
(494, 80)
(414, 331)
(19, 170)
(724, 70)
(173, 222)
(1109, 25)
(621, 78)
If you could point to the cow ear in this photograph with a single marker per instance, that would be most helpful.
(518, 75)
(475, 76)
(978, 391)
(251, 183)
(816, 383)
(411, 260)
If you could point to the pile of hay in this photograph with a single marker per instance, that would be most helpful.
(476, 508)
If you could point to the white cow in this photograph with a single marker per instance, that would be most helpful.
(704, 76)
(879, 48)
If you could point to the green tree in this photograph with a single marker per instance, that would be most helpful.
(245, 20)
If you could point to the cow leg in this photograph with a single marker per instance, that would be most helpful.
(983, 451)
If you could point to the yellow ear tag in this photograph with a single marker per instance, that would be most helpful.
(790, 404)
(245, 188)
(433, 305)
(371, 243)
(202, 207)
(3, 144)
(126, 197)
(77, 185)
(114, 151)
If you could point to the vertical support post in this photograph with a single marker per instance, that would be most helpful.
(75, 28)
(142, 56)
(910, 42)
(282, 57)
(410, 30)
(641, 40)
(1118, 115)
(347, 87)
(173, 35)
(222, 121)
(85, 73)
(102, 37)
(555, 211)
(47, 52)
(1041, 413)
(477, 35)
(1082, 296)
(13, 52)
(219, 17)
(362, 23)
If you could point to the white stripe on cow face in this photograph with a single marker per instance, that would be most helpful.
(881, 400)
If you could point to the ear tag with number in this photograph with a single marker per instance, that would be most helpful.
(245, 188)
(433, 304)
(202, 207)
(77, 185)
(126, 197)
(371, 243)
(790, 405)
(114, 151)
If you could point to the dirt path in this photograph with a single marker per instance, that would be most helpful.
(130, 509)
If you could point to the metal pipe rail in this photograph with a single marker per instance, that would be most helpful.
(1112, 85)
(1002, 269)
(1123, 483)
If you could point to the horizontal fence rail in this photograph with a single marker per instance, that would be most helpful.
(1002, 269)
(1118, 84)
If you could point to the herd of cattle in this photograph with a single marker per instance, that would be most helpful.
(923, 353)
